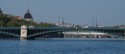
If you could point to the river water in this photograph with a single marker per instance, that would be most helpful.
(63, 46)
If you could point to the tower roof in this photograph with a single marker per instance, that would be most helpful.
(28, 15)
(0, 11)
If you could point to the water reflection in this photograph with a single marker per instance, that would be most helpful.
(23, 42)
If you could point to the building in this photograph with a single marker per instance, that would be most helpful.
(85, 26)
(65, 25)
(17, 17)
(28, 16)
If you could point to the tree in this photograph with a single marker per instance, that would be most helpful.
(1, 23)
(10, 24)
(10, 21)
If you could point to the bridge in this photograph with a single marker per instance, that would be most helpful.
(24, 32)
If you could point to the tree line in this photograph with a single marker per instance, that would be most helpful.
(10, 21)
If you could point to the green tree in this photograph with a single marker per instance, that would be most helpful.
(1, 23)
(10, 21)
(10, 24)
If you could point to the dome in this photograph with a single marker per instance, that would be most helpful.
(28, 15)
(0, 11)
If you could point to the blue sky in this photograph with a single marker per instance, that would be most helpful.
(108, 12)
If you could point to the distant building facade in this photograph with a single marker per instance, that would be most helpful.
(65, 25)
(17, 17)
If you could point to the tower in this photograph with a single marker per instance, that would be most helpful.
(28, 16)
(0, 11)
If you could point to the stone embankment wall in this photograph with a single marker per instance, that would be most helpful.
(85, 35)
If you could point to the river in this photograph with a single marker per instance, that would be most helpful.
(63, 46)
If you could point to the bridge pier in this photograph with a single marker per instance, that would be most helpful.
(23, 32)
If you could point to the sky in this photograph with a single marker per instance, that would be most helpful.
(79, 12)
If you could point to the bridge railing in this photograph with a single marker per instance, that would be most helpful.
(10, 27)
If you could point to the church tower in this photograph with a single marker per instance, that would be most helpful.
(28, 16)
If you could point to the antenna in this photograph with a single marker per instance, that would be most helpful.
(96, 21)
(62, 21)
(58, 20)
(28, 4)
(93, 21)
